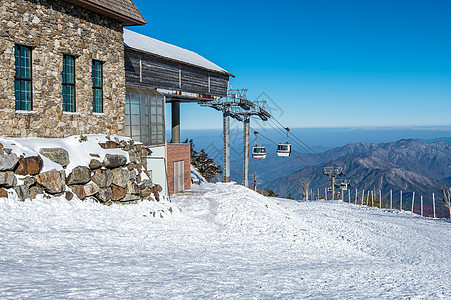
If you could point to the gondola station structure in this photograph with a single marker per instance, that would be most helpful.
(69, 67)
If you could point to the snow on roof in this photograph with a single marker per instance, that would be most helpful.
(147, 44)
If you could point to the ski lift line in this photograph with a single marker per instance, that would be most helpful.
(303, 149)
(299, 145)
(322, 158)
(283, 133)
(297, 156)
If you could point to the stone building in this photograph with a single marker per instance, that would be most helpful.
(62, 66)
(68, 67)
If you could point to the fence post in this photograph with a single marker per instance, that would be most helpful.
(433, 203)
(325, 193)
(355, 200)
(391, 199)
(421, 205)
(400, 204)
(413, 200)
(380, 199)
(349, 195)
(372, 199)
(363, 197)
(368, 199)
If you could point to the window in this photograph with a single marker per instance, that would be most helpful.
(97, 86)
(144, 116)
(68, 83)
(22, 78)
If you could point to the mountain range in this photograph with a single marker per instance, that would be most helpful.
(406, 165)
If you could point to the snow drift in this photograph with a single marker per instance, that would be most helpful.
(221, 241)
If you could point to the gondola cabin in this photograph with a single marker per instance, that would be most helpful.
(284, 150)
(259, 152)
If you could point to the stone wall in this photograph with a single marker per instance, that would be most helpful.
(113, 179)
(54, 28)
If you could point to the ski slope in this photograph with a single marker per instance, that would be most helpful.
(221, 241)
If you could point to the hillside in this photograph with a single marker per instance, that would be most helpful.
(227, 242)
(407, 165)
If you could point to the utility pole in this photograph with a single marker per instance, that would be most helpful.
(246, 130)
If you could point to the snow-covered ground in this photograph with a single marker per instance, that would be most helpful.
(226, 242)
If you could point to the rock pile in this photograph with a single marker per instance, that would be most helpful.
(113, 179)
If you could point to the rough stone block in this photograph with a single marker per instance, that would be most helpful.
(112, 161)
(29, 181)
(57, 155)
(69, 195)
(53, 181)
(79, 191)
(109, 145)
(7, 179)
(120, 177)
(117, 192)
(79, 175)
(102, 177)
(129, 197)
(22, 192)
(35, 190)
(31, 165)
(132, 187)
(145, 193)
(8, 162)
(3, 193)
(95, 164)
(104, 195)
(91, 189)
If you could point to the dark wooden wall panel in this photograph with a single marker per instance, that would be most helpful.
(165, 74)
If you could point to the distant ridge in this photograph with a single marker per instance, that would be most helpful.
(408, 165)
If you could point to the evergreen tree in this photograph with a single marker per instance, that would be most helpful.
(204, 164)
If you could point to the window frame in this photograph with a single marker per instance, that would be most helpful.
(66, 84)
(19, 78)
(97, 64)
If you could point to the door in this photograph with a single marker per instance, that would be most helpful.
(179, 176)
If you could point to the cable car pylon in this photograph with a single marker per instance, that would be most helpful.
(236, 106)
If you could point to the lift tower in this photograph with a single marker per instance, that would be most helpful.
(332, 172)
(238, 107)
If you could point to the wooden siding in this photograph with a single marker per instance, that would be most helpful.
(149, 71)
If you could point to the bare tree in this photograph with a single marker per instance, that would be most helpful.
(304, 183)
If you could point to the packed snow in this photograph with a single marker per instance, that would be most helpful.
(220, 241)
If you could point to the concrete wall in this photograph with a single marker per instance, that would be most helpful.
(54, 28)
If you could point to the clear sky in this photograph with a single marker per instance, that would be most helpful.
(325, 63)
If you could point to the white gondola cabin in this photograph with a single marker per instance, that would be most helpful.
(259, 152)
(284, 149)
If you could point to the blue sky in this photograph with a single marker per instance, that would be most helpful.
(324, 63)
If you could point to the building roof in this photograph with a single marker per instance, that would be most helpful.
(161, 49)
(124, 11)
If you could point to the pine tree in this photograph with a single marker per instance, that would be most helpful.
(204, 164)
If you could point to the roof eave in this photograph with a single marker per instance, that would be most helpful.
(125, 20)
(181, 62)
